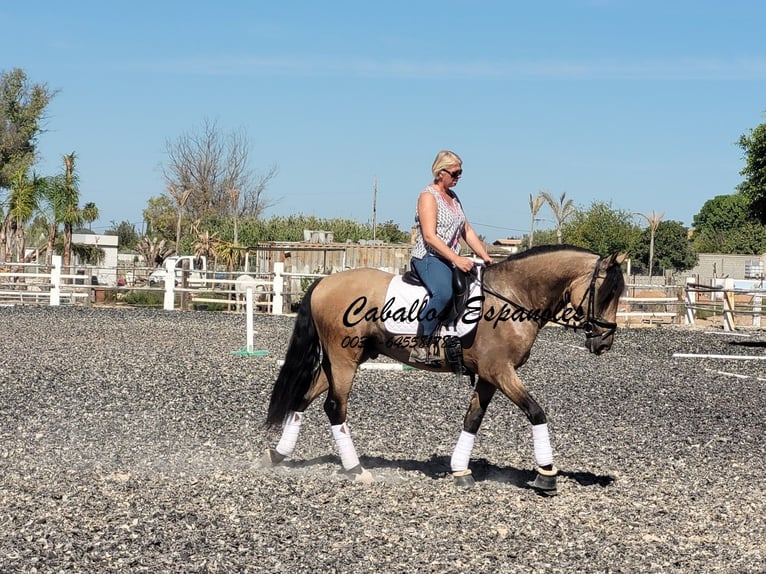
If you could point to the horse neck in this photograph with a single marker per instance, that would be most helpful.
(541, 280)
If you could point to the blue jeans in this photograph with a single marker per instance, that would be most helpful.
(436, 275)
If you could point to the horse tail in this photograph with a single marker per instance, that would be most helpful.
(300, 366)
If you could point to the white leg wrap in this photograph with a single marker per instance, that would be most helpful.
(290, 432)
(462, 452)
(542, 444)
(346, 450)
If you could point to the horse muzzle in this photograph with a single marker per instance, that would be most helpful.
(599, 336)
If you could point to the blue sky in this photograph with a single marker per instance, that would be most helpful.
(635, 103)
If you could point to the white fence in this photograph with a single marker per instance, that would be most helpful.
(32, 283)
(35, 284)
(29, 283)
(735, 306)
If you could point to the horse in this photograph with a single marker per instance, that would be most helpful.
(340, 324)
(260, 289)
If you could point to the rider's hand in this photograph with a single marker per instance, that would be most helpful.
(464, 264)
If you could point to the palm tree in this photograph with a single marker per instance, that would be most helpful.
(229, 254)
(180, 196)
(70, 216)
(535, 203)
(90, 213)
(562, 210)
(205, 243)
(22, 203)
(50, 210)
(153, 251)
(653, 219)
(234, 194)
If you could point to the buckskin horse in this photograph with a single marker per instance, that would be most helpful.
(340, 324)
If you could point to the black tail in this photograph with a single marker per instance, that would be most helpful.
(301, 362)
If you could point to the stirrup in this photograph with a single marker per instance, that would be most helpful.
(423, 355)
(419, 355)
(433, 351)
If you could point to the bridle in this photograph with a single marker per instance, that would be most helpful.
(591, 320)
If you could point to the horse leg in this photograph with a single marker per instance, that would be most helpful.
(482, 395)
(341, 376)
(293, 421)
(513, 388)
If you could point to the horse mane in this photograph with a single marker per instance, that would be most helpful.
(543, 249)
(614, 281)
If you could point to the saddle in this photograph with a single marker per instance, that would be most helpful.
(461, 289)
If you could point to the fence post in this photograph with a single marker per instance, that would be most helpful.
(691, 301)
(55, 281)
(170, 283)
(757, 299)
(728, 304)
(279, 287)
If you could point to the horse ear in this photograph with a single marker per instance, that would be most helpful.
(615, 259)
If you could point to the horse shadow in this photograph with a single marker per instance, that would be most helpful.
(438, 467)
(751, 344)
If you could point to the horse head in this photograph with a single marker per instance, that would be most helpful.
(598, 292)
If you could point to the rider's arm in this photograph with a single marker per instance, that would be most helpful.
(473, 241)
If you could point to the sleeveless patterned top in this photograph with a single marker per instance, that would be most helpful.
(450, 222)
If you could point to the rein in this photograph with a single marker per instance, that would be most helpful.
(586, 326)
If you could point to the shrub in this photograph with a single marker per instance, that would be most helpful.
(144, 298)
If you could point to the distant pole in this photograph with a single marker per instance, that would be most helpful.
(374, 205)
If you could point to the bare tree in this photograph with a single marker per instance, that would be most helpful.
(562, 210)
(214, 168)
(535, 203)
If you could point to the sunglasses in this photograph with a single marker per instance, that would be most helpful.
(454, 174)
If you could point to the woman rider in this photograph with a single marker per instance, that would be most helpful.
(441, 224)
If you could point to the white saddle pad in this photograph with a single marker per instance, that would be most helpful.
(403, 300)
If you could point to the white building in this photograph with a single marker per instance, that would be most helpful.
(106, 272)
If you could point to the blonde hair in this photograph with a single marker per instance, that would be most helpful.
(443, 159)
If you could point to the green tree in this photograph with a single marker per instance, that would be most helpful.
(754, 172)
(672, 247)
(127, 236)
(22, 108)
(542, 237)
(602, 229)
(718, 222)
(747, 239)
(389, 232)
(160, 218)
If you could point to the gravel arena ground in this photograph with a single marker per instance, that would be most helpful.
(130, 441)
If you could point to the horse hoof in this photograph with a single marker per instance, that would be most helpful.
(271, 457)
(464, 479)
(364, 478)
(545, 482)
(360, 475)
